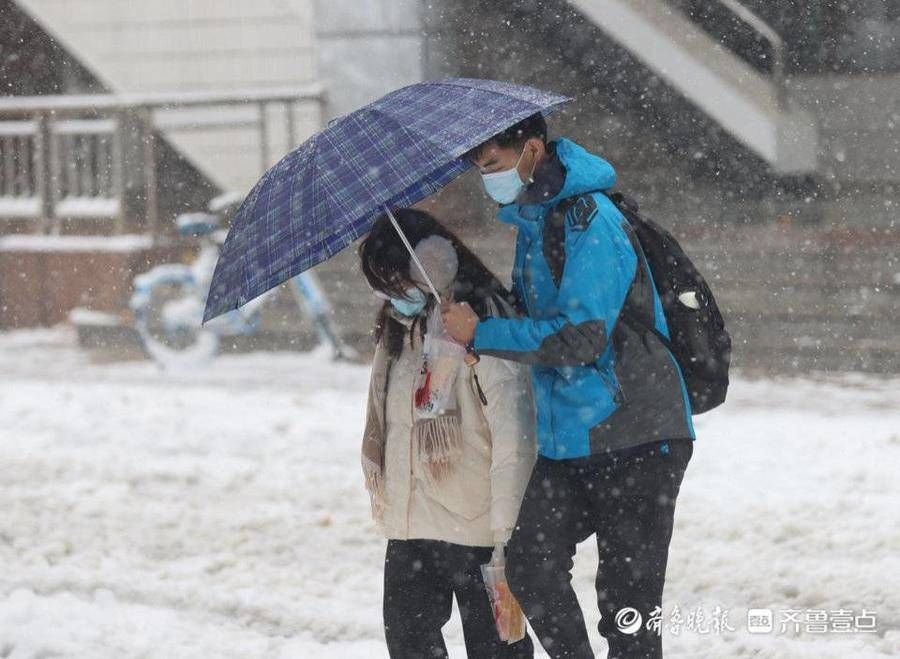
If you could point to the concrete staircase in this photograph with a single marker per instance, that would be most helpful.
(747, 104)
(167, 46)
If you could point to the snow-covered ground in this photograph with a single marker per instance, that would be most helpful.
(220, 512)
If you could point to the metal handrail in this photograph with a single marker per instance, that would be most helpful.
(51, 147)
(768, 33)
(165, 100)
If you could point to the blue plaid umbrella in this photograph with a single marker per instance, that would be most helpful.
(327, 192)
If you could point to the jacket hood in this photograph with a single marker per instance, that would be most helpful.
(585, 172)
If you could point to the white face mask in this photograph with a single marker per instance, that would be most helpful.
(410, 305)
(504, 186)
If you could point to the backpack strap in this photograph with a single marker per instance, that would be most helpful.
(554, 248)
(635, 320)
(554, 237)
(629, 208)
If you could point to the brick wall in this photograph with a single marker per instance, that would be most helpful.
(39, 286)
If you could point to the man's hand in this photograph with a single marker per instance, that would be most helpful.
(459, 321)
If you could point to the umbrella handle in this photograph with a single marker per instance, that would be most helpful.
(412, 254)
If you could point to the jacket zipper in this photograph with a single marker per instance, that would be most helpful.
(412, 476)
(520, 267)
(472, 387)
(615, 390)
(480, 391)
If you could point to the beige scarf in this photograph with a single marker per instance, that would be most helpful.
(437, 431)
(374, 435)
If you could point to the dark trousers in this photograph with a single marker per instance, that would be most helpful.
(420, 579)
(628, 499)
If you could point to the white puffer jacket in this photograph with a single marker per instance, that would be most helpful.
(478, 502)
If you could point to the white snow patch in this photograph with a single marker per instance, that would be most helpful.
(87, 207)
(42, 243)
(17, 207)
(220, 512)
(94, 318)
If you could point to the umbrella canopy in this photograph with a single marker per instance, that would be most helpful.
(328, 191)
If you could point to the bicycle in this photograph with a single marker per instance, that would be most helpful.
(168, 300)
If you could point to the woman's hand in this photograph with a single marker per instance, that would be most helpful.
(459, 321)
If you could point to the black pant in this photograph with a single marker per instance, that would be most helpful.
(628, 499)
(420, 579)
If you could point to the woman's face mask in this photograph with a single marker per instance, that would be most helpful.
(411, 305)
(504, 186)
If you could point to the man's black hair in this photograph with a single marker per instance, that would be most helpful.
(516, 135)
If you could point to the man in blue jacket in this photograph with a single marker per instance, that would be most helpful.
(613, 415)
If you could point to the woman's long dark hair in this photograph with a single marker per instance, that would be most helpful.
(386, 265)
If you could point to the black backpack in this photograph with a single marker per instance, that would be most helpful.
(699, 340)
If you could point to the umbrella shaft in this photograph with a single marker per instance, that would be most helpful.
(412, 253)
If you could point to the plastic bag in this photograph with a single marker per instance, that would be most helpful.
(508, 616)
(434, 387)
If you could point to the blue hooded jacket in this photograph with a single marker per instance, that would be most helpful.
(599, 384)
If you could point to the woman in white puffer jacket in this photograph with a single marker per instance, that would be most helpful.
(446, 457)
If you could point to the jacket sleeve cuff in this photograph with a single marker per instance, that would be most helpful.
(491, 334)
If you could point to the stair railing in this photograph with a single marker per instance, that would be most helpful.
(83, 158)
(767, 32)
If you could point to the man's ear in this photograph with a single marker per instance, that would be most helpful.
(536, 148)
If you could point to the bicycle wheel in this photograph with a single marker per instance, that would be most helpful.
(168, 315)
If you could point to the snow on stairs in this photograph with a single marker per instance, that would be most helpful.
(169, 46)
(718, 82)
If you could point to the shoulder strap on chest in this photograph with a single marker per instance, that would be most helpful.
(578, 212)
(554, 237)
